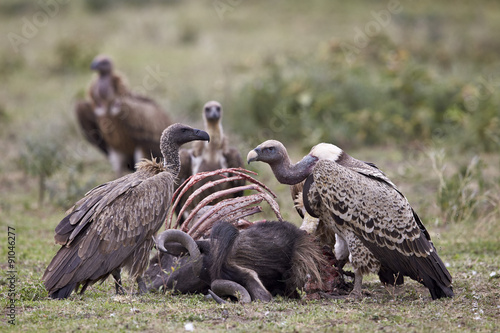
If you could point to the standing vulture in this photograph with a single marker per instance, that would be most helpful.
(357, 202)
(209, 156)
(114, 224)
(124, 126)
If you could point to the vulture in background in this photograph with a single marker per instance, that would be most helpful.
(357, 202)
(114, 224)
(210, 156)
(124, 126)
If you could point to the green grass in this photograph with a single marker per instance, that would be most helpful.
(414, 101)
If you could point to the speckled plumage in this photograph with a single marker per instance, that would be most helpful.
(371, 210)
(359, 205)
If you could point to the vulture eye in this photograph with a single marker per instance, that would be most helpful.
(270, 149)
(207, 109)
(218, 108)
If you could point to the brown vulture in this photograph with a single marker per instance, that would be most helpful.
(124, 126)
(357, 202)
(114, 224)
(209, 156)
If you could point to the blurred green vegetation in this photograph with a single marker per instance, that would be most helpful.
(426, 79)
(418, 96)
(389, 98)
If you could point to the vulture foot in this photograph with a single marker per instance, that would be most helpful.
(118, 282)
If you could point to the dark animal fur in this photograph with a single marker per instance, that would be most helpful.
(268, 259)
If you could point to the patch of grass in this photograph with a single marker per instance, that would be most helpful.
(416, 88)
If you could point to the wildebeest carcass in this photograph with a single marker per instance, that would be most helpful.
(262, 260)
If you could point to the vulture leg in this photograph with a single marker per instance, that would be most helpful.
(118, 281)
(142, 285)
(120, 162)
(356, 291)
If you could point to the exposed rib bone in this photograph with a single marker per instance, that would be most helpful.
(229, 209)
(222, 211)
(203, 188)
(238, 172)
(211, 198)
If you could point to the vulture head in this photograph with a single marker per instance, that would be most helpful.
(175, 136)
(102, 64)
(178, 134)
(212, 112)
(275, 154)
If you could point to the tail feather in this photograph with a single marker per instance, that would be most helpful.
(435, 276)
(64, 292)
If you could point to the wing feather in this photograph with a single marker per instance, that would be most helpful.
(88, 123)
(113, 230)
(383, 220)
(144, 121)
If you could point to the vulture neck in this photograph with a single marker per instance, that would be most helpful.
(170, 151)
(214, 129)
(105, 89)
(291, 174)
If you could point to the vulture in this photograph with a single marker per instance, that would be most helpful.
(114, 224)
(210, 156)
(124, 126)
(374, 221)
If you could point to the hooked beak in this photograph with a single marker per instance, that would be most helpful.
(253, 155)
(202, 135)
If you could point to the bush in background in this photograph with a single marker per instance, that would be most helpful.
(400, 102)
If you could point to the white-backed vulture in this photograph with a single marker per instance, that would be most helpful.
(125, 126)
(357, 202)
(114, 224)
(209, 156)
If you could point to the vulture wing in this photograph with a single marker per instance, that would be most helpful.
(144, 121)
(296, 192)
(88, 123)
(370, 170)
(234, 160)
(383, 220)
(111, 227)
(366, 168)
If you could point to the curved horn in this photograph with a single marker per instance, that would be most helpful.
(216, 298)
(230, 288)
(173, 235)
